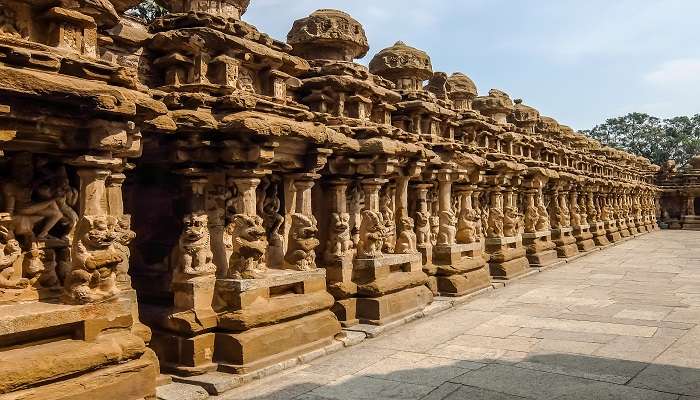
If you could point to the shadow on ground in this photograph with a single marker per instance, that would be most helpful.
(408, 375)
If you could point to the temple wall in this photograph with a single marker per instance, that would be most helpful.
(195, 196)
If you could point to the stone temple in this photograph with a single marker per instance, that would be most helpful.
(194, 196)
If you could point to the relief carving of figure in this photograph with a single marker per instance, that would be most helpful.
(532, 217)
(194, 256)
(10, 252)
(407, 239)
(467, 229)
(511, 222)
(448, 228)
(387, 210)
(575, 217)
(124, 238)
(422, 228)
(95, 259)
(543, 223)
(564, 215)
(605, 214)
(249, 245)
(339, 238)
(495, 226)
(372, 235)
(273, 219)
(301, 254)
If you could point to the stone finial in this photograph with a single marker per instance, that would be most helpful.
(328, 35)
(695, 162)
(232, 9)
(461, 86)
(404, 65)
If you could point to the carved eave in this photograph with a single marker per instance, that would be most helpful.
(350, 84)
(383, 145)
(425, 106)
(213, 42)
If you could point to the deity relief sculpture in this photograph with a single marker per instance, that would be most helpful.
(339, 238)
(301, 255)
(372, 235)
(124, 238)
(407, 239)
(10, 252)
(95, 259)
(249, 246)
(511, 221)
(467, 229)
(194, 256)
(387, 211)
(448, 228)
(495, 226)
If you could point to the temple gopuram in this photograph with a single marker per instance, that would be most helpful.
(194, 201)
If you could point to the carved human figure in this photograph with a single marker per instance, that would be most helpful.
(467, 229)
(406, 241)
(575, 217)
(387, 210)
(543, 223)
(95, 259)
(511, 221)
(372, 235)
(339, 238)
(248, 245)
(273, 219)
(19, 201)
(301, 254)
(10, 251)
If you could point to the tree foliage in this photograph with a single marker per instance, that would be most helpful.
(656, 139)
(147, 10)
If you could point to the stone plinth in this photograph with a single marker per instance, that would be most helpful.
(600, 237)
(390, 287)
(612, 231)
(460, 269)
(691, 223)
(507, 257)
(632, 225)
(584, 238)
(541, 251)
(624, 228)
(565, 241)
(90, 346)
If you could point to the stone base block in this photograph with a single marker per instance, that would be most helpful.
(509, 269)
(566, 251)
(257, 348)
(133, 380)
(625, 233)
(614, 237)
(464, 284)
(586, 245)
(543, 259)
(346, 311)
(390, 307)
(184, 355)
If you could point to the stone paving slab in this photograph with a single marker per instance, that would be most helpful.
(621, 323)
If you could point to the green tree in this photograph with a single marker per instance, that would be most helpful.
(656, 139)
(147, 10)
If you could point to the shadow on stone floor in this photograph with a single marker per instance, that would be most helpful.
(537, 376)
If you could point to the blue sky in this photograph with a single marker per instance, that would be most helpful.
(577, 61)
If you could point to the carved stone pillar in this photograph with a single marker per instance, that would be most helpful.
(92, 191)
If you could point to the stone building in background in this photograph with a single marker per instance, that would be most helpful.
(195, 196)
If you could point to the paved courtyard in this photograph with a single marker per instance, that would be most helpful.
(622, 323)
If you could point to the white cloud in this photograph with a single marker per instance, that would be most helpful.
(683, 73)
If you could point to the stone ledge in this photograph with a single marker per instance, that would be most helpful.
(272, 279)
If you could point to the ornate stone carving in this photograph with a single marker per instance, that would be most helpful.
(194, 257)
(511, 221)
(95, 259)
(423, 228)
(532, 218)
(467, 226)
(372, 235)
(302, 243)
(8, 23)
(543, 223)
(448, 228)
(124, 238)
(249, 246)
(407, 239)
(10, 252)
(387, 210)
(496, 220)
(339, 238)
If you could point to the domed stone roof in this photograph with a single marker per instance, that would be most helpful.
(497, 102)
(461, 85)
(223, 8)
(695, 162)
(547, 124)
(523, 113)
(328, 34)
(401, 60)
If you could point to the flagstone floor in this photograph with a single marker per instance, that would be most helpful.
(622, 323)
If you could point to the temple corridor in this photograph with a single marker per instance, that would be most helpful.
(621, 323)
